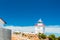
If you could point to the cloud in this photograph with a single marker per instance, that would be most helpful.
(48, 29)
(53, 26)
(52, 29)
(20, 28)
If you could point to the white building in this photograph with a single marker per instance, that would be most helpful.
(5, 34)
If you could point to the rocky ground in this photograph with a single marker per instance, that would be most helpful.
(25, 36)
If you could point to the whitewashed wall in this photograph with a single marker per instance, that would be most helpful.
(5, 34)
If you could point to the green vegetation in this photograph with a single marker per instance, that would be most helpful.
(43, 36)
(16, 32)
(58, 38)
(50, 37)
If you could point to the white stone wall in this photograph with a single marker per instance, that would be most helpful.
(39, 30)
(5, 34)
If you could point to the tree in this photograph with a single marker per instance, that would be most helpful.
(43, 36)
(52, 37)
(59, 38)
(39, 35)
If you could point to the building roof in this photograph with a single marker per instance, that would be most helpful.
(40, 20)
(40, 23)
(2, 21)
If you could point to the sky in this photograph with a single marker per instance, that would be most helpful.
(28, 12)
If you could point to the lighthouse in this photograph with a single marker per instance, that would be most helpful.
(39, 28)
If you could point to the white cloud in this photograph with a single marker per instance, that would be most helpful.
(53, 29)
(20, 28)
(50, 29)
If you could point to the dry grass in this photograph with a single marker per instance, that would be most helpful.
(25, 36)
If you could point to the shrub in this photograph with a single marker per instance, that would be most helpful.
(59, 38)
(52, 37)
(43, 36)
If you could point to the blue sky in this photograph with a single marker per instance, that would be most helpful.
(28, 12)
